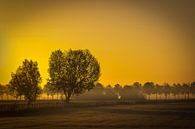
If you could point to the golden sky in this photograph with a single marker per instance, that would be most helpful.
(133, 41)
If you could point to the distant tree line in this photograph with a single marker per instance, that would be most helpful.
(147, 91)
(135, 91)
(76, 72)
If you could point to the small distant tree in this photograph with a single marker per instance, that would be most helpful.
(148, 88)
(7, 91)
(127, 92)
(49, 90)
(156, 90)
(2, 90)
(186, 87)
(99, 88)
(25, 82)
(137, 85)
(118, 90)
(166, 90)
(193, 88)
(73, 71)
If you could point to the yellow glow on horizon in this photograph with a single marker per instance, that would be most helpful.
(131, 44)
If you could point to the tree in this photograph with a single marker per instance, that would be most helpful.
(2, 90)
(193, 88)
(118, 90)
(99, 88)
(49, 90)
(25, 82)
(148, 88)
(137, 88)
(156, 90)
(186, 89)
(73, 71)
(166, 90)
(137, 85)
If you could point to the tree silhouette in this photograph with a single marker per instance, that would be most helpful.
(99, 88)
(166, 90)
(174, 90)
(156, 90)
(73, 72)
(192, 85)
(49, 90)
(2, 90)
(186, 90)
(118, 90)
(137, 85)
(25, 82)
(148, 88)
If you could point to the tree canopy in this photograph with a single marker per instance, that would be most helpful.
(25, 82)
(2, 89)
(73, 71)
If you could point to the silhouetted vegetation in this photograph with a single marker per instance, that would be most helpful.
(134, 92)
(141, 103)
(75, 74)
(2, 90)
(72, 72)
(25, 82)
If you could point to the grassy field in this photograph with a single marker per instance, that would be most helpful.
(134, 116)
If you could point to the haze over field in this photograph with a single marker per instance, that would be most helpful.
(133, 41)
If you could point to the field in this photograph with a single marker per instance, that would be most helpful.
(97, 116)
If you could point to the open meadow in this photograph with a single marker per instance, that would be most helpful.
(101, 116)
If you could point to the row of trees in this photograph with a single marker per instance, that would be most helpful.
(136, 91)
(71, 73)
(74, 72)
(185, 89)
(148, 90)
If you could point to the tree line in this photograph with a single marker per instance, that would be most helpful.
(75, 72)
(135, 91)
(71, 72)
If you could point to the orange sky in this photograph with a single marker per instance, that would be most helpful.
(132, 41)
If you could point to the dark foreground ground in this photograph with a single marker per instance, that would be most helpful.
(134, 116)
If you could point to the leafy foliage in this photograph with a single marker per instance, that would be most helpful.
(73, 71)
(25, 82)
(2, 90)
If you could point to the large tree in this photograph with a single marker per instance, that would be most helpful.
(25, 82)
(73, 71)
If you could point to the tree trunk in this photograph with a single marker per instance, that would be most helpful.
(188, 96)
(67, 99)
(47, 97)
(149, 97)
(156, 96)
(165, 96)
(67, 95)
(57, 95)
